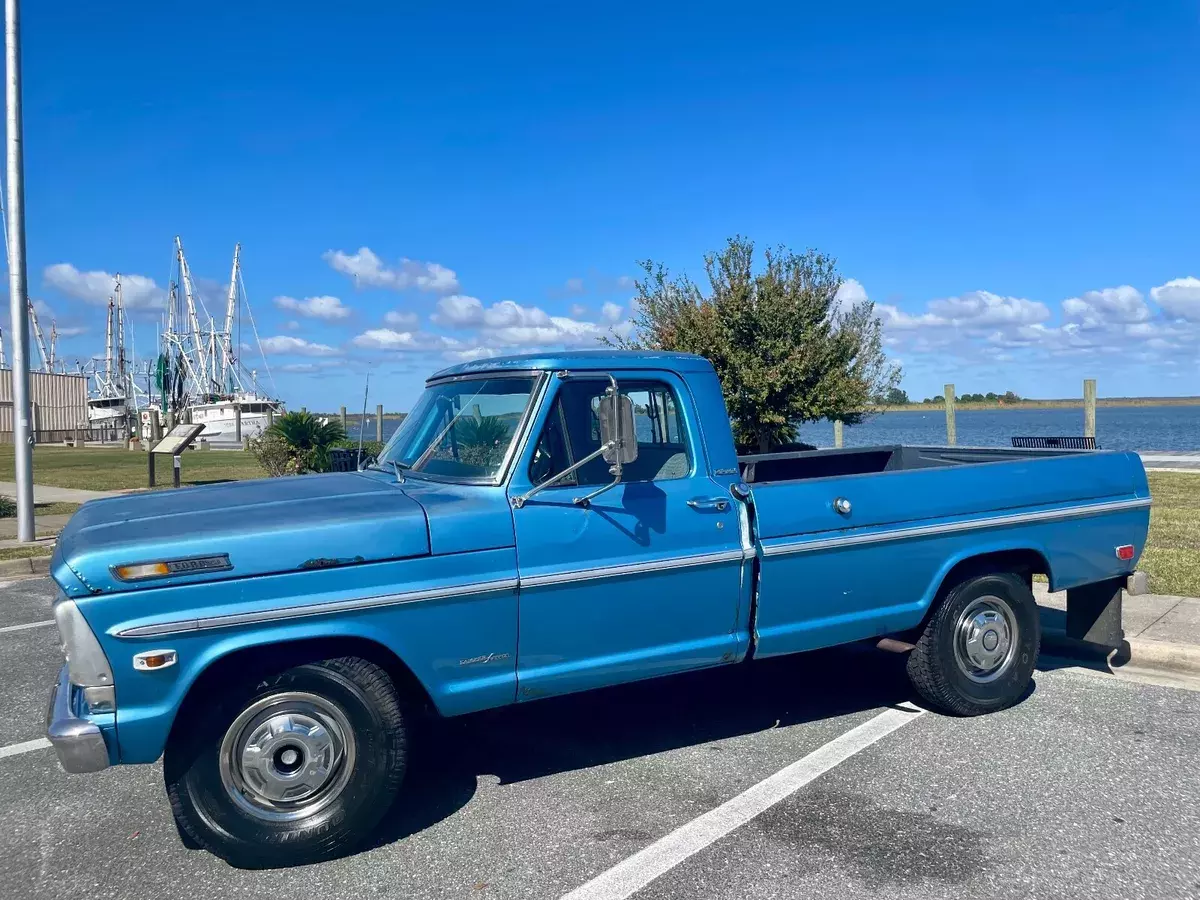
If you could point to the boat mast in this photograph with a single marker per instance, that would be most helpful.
(3, 361)
(202, 384)
(53, 342)
(41, 341)
(108, 346)
(121, 339)
(230, 312)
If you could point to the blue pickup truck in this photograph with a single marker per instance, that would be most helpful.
(541, 525)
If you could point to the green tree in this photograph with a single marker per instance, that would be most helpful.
(309, 440)
(896, 397)
(784, 348)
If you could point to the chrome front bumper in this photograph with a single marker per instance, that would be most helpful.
(77, 742)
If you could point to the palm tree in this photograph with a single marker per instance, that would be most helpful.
(309, 438)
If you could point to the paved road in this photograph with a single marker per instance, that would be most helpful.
(1088, 788)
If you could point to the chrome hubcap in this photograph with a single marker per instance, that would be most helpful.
(287, 756)
(984, 639)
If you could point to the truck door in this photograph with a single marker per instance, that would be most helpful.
(643, 580)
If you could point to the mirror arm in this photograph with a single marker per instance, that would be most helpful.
(585, 500)
(520, 501)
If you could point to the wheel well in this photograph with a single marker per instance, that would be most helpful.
(261, 660)
(1025, 563)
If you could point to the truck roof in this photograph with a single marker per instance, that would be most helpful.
(582, 359)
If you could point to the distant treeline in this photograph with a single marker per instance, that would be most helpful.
(989, 397)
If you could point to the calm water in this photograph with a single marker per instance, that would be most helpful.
(1117, 428)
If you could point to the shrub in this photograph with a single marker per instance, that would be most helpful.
(274, 454)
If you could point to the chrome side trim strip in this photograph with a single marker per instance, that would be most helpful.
(658, 565)
(918, 531)
(318, 609)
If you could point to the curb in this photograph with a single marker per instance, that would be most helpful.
(33, 565)
(1135, 653)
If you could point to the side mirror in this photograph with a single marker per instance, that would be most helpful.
(616, 427)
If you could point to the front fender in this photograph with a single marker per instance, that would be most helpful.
(461, 648)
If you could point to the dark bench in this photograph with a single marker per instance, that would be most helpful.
(1055, 443)
(343, 459)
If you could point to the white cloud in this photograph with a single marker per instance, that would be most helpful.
(400, 318)
(286, 343)
(625, 283)
(1179, 297)
(324, 307)
(611, 312)
(578, 310)
(138, 291)
(472, 353)
(979, 309)
(71, 330)
(320, 365)
(292, 325)
(389, 339)
(368, 270)
(850, 292)
(461, 311)
(1099, 309)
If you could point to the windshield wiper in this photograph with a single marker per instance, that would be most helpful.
(399, 468)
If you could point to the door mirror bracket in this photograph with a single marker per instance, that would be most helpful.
(618, 445)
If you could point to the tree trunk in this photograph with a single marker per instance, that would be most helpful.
(764, 441)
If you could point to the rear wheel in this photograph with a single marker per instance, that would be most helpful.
(979, 647)
(293, 768)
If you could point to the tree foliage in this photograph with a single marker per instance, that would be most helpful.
(308, 439)
(785, 349)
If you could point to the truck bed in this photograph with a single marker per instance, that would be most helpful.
(796, 466)
(854, 543)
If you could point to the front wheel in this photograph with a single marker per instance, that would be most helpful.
(293, 768)
(979, 648)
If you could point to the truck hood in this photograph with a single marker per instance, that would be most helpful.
(266, 526)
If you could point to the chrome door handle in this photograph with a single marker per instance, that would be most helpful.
(842, 505)
(720, 504)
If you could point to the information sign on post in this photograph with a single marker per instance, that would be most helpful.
(174, 443)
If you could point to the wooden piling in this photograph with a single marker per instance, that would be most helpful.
(379, 423)
(837, 433)
(342, 416)
(1089, 407)
(951, 427)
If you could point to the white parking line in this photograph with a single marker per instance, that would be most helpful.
(8, 628)
(631, 875)
(24, 747)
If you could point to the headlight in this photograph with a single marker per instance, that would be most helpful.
(87, 665)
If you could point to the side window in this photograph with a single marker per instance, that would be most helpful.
(572, 431)
(552, 453)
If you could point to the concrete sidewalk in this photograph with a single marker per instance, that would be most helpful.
(45, 494)
(1162, 631)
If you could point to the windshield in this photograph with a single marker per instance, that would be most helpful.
(461, 429)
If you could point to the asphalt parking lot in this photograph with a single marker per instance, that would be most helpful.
(1089, 787)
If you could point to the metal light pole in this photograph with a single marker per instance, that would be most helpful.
(18, 290)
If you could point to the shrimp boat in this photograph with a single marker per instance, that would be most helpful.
(200, 375)
(108, 400)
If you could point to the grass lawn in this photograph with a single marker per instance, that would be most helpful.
(104, 469)
(8, 509)
(1172, 557)
(24, 552)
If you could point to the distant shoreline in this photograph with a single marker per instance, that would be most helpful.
(1074, 403)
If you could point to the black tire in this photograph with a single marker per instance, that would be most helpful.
(944, 670)
(223, 813)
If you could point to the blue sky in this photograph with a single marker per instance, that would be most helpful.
(1017, 186)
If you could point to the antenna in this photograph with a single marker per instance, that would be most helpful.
(362, 423)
